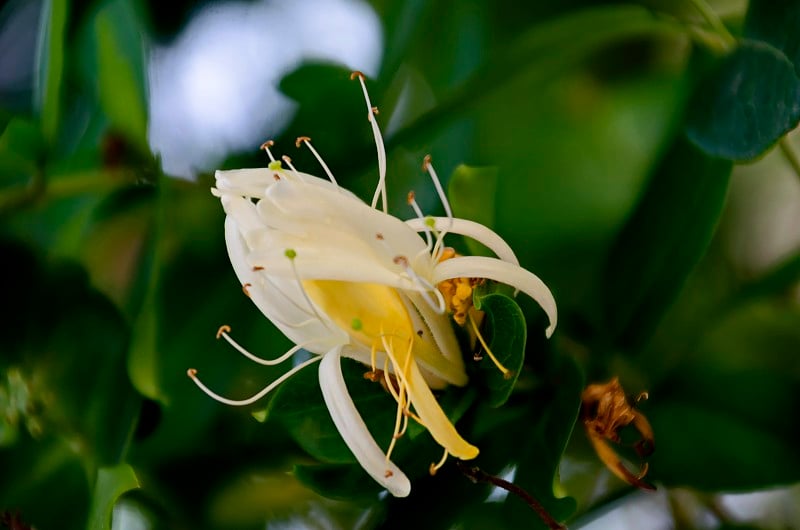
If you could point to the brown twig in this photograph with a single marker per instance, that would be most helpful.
(475, 474)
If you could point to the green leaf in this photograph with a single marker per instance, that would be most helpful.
(338, 481)
(506, 333)
(111, 483)
(471, 193)
(120, 63)
(20, 152)
(745, 106)
(776, 22)
(708, 449)
(662, 241)
(50, 66)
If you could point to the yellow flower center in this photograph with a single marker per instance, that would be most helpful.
(375, 316)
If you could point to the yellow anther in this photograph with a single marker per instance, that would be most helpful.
(435, 467)
(300, 140)
(222, 330)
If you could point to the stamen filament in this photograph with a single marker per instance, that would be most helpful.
(265, 146)
(412, 201)
(192, 373)
(380, 191)
(223, 332)
(427, 166)
(289, 163)
(435, 467)
(506, 372)
(306, 140)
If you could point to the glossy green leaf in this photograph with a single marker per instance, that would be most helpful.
(746, 105)
(110, 484)
(49, 69)
(550, 418)
(506, 333)
(776, 22)
(662, 241)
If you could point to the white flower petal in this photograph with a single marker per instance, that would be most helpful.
(503, 272)
(480, 233)
(353, 429)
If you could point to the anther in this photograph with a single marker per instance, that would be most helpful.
(192, 373)
(222, 330)
(266, 145)
(375, 111)
(257, 268)
(388, 474)
(286, 159)
(379, 236)
(276, 176)
(401, 260)
(419, 332)
(426, 162)
(245, 289)
(435, 467)
(355, 74)
(300, 140)
(410, 199)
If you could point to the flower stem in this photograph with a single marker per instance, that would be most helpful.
(790, 154)
(475, 474)
(714, 21)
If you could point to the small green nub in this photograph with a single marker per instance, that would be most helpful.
(356, 324)
(290, 253)
(275, 165)
(430, 221)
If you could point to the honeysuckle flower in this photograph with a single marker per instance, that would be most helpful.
(342, 278)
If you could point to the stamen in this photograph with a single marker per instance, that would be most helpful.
(245, 289)
(306, 140)
(440, 305)
(192, 373)
(380, 191)
(265, 146)
(289, 163)
(292, 254)
(401, 403)
(224, 330)
(427, 166)
(508, 374)
(436, 467)
(412, 201)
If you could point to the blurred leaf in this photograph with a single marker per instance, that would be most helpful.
(662, 241)
(70, 344)
(775, 281)
(472, 194)
(506, 334)
(111, 483)
(50, 66)
(20, 153)
(338, 481)
(711, 450)
(120, 63)
(746, 105)
(46, 482)
(549, 422)
(776, 22)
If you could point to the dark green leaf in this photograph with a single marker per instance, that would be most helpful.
(550, 419)
(111, 483)
(662, 241)
(338, 481)
(506, 333)
(746, 105)
(50, 66)
(776, 22)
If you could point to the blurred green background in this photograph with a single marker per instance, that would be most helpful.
(634, 155)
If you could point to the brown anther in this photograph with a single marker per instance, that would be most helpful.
(300, 140)
(355, 74)
(379, 236)
(245, 288)
(397, 436)
(388, 473)
(419, 332)
(223, 329)
(432, 469)
(375, 111)
(257, 268)
(191, 372)
(401, 260)
(411, 197)
(266, 145)
(286, 159)
(276, 176)
(374, 376)
(426, 162)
